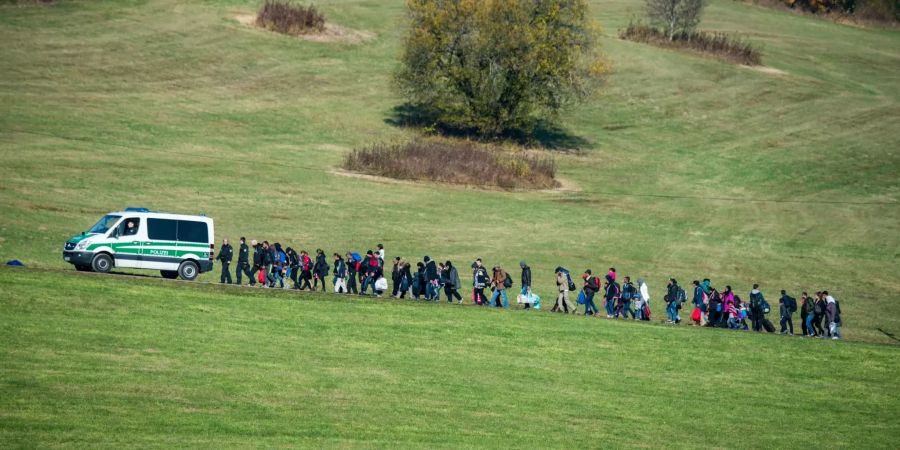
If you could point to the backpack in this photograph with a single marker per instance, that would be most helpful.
(680, 296)
(791, 303)
(507, 282)
(817, 309)
(571, 283)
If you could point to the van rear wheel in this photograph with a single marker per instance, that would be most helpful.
(169, 274)
(102, 263)
(188, 271)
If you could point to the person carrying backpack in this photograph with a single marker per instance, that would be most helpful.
(563, 285)
(320, 270)
(758, 306)
(500, 282)
(405, 279)
(787, 317)
(674, 297)
(367, 270)
(351, 274)
(591, 287)
(279, 268)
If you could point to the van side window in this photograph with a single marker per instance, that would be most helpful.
(162, 229)
(193, 231)
(129, 226)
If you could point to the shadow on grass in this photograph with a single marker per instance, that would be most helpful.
(544, 134)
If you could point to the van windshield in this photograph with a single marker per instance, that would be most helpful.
(103, 225)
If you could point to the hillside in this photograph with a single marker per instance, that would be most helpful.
(690, 167)
(151, 363)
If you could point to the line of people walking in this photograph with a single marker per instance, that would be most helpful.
(274, 266)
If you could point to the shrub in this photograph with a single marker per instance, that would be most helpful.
(457, 162)
(489, 67)
(675, 16)
(877, 10)
(720, 45)
(285, 17)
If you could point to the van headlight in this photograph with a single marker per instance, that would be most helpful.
(81, 245)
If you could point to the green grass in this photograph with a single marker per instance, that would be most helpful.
(106, 361)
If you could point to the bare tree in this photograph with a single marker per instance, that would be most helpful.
(675, 16)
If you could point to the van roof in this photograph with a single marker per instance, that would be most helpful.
(160, 215)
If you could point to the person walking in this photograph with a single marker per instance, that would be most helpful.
(320, 270)
(395, 277)
(480, 280)
(562, 288)
(452, 283)
(790, 305)
(673, 300)
(351, 274)
(406, 279)
(499, 283)
(611, 295)
(591, 287)
(833, 314)
(305, 271)
(269, 261)
(644, 307)
(819, 307)
(419, 281)
(339, 281)
(629, 292)
(697, 301)
(807, 305)
(526, 283)
(279, 266)
(432, 280)
(243, 262)
(757, 307)
(225, 255)
(293, 265)
(258, 260)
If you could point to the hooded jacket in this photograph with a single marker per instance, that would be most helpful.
(526, 276)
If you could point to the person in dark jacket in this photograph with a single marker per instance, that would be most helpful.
(452, 283)
(629, 292)
(395, 277)
(591, 287)
(526, 281)
(787, 321)
(258, 260)
(293, 263)
(697, 301)
(404, 280)
(340, 275)
(480, 280)
(433, 280)
(672, 301)
(806, 314)
(269, 262)
(225, 255)
(243, 262)
(367, 272)
(320, 271)
(419, 281)
(611, 296)
(757, 308)
(351, 274)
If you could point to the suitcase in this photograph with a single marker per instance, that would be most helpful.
(767, 324)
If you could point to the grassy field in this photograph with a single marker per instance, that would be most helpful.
(689, 167)
(102, 361)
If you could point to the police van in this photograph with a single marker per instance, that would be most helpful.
(137, 238)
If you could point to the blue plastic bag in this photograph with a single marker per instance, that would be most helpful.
(581, 298)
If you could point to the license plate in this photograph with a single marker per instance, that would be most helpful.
(66, 258)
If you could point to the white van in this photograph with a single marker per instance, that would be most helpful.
(137, 238)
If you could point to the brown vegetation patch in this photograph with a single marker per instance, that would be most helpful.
(456, 162)
(286, 17)
(330, 33)
(720, 45)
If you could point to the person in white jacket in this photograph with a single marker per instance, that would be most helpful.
(643, 299)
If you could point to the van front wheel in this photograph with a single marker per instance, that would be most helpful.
(169, 274)
(188, 271)
(102, 263)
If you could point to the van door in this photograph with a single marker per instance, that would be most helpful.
(128, 242)
(159, 249)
